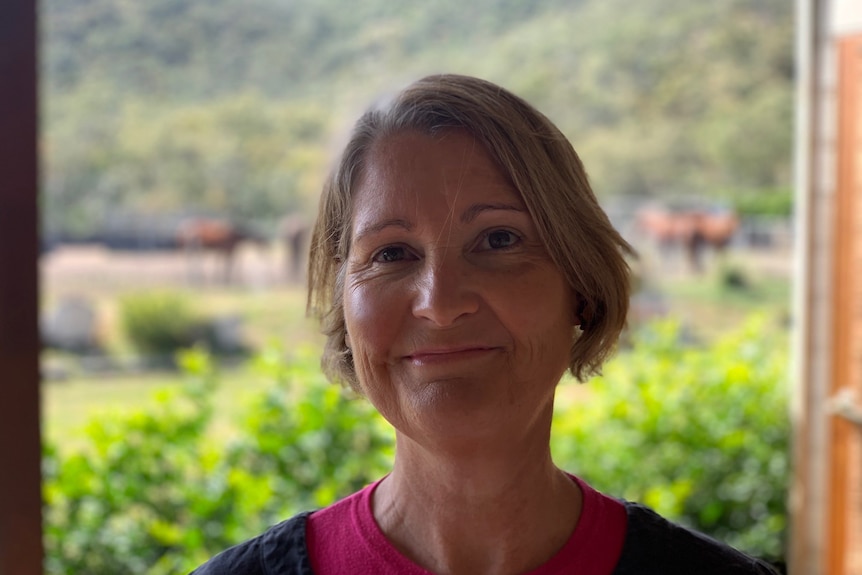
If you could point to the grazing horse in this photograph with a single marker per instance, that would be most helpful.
(197, 236)
(691, 229)
(293, 231)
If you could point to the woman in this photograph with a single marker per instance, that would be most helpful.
(460, 264)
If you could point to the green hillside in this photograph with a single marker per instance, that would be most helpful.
(237, 106)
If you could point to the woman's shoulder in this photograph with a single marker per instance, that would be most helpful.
(280, 549)
(655, 545)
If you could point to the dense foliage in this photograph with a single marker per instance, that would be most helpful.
(233, 107)
(699, 434)
(152, 494)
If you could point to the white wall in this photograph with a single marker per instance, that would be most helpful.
(846, 17)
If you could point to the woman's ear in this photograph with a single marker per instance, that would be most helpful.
(580, 306)
(347, 340)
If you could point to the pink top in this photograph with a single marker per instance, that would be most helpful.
(345, 538)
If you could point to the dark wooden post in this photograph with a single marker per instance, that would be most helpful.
(20, 451)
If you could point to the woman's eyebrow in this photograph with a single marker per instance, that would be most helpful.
(473, 211)
(380, 226)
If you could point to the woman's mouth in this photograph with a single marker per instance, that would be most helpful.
(447, 355)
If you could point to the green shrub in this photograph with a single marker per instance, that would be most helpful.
(776, 202)
(159, 322)
(122, 504)
(699, 434)
(314, 442)
(733, 278)
(151, 495)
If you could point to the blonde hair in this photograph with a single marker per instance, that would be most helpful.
(539, 163)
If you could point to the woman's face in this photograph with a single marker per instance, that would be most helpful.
(459, 322)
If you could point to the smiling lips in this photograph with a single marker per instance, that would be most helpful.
(446, 355)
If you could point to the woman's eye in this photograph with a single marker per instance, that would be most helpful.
(391, 254)
(500, 239)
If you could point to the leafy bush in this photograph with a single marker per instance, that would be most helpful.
(141, 488)
(776, 202)
(158, 323)
(313, 441)
(699, 434)
(152, 495)
(733, 278)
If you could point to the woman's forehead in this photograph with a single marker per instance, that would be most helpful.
(411, 169)
(452, 159)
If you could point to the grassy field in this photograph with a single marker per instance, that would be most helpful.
(69, 405)
(720, 299)
(272, 313)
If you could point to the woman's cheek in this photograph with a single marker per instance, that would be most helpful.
(373, 331)
(369, 322)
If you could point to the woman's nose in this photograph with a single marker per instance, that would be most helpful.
(445, 292)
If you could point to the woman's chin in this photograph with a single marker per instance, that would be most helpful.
(465, 417)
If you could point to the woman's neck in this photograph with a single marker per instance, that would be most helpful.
(490, 511)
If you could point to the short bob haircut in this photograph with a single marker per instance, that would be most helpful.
(540, 164)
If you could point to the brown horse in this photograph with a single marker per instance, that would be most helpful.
(693, 230)
(294, 229)
(197, 236)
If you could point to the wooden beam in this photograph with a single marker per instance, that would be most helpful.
(20, 444)
(810, 308)
(845, 498)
